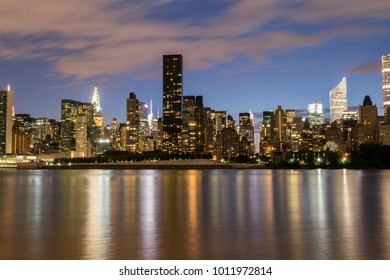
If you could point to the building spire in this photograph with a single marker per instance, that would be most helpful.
(96, 99)
(9, 87)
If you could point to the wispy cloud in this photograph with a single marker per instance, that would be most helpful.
(366, 67)
(85, 39)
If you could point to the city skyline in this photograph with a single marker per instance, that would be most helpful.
(240, 55)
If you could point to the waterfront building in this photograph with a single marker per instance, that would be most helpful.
(132, 123)
(189, 124)
(338, 101)
(172, 101)
(83, 147)
(227, 143)
(193, 124)
(144, 132)
(6, 120)
(208, 130)
(315, 113)
(386, 86)
(70, 109)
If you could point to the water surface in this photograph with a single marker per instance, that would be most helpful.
(194, 214)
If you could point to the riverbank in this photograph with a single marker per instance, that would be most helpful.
(164, 164)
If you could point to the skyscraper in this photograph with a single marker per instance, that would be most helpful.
(247, 134)
(132, 123)
(338, 101)
(280, 133)
(97, 109)
(315, 113)
(267, 133)
(368, 120)
(386, 86)
(70, 109)
(6, 114)
(172, 101)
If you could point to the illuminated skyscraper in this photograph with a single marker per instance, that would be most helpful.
(70, 109)
(6, 115)
(315, 113)
(386, 85)
(247, 134)
(267, 133)
(82, 143)
(132, 123)
(280, 128)
(338, 101)
(172, 101)
(97, 109)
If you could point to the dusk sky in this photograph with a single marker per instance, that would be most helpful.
(240, 55)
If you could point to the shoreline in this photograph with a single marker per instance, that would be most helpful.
(169, 164)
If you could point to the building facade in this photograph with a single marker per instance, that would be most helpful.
(172, 102)
(6, 120)
(70, 109)
(338, 101)
(386, 86)
(315, 113)
(132, 123)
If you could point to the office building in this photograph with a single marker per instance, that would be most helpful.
(338, 101)
(315, 113)
(70, 109)
(247, 134)
(280, 128)
(83, 147)
(6, 120)
(132, 123)
(267, 133)
(172, 102)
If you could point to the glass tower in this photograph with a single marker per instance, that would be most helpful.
(172, 101)
(338, 101)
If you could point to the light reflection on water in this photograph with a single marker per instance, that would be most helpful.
(195, 214)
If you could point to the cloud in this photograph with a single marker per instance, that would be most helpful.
(88, 39)
(366, 67)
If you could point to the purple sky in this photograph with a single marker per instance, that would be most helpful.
(239, 55)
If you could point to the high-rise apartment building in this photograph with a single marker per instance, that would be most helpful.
(368, 121)
(338, 101)
(386, 86)
(83, 147)
(6, 116)
(193, 135)
(267, 133)
(247, 134)
(132, 123)
(280, 128)
(70, 109)
(172, 101)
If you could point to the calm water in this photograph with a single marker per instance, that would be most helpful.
(194, 214)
